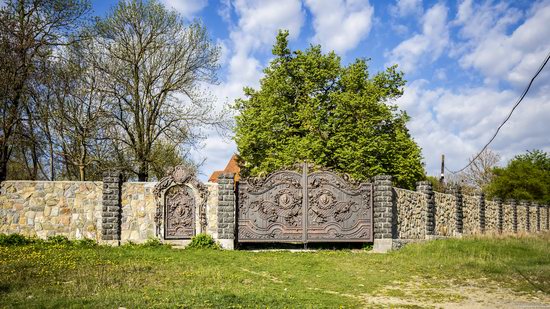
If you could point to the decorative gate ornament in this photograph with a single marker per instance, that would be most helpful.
(290, 207)
(177, 205)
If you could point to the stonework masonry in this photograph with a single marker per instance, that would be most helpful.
(445, 214)
(138, 211)
(491, 216)
(383, 218)
(112, 210)
(459, 214)
(425, 187)
(226, 210)
(508, 224)
(115, 212)
(49, 208)
(411, 217)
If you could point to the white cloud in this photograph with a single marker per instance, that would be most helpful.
(425, 46)
(340, 25)
(403, 8)
(495, 52)
(459, 122)
(251, 35)
(187, 8)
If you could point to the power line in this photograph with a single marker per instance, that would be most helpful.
(507, 117)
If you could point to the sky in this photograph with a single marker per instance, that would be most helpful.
(466, 64)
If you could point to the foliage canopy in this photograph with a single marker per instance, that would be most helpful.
(526, 177)
(311, 107)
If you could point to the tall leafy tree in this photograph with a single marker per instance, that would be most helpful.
(311, 107)
(152, 65)
(30, 30)
(526, 176)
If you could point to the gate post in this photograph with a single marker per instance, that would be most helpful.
(459, 216)
(111, 207)
(482, 205)
(537, 212)
(513, 203)
(226, 210)
(426, 188)
(500, 221)
(383, 214)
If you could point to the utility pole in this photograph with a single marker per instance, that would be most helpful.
(442, 178)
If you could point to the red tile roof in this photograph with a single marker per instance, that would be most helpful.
(231, 167)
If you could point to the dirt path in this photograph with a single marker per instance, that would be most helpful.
(447, 294)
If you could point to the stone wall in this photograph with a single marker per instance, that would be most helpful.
(544, 218)
(492, 216)
(48, 208)
(508, 217)
(411, 214)
(138, 211)
(445, 214)
(114, 212)
(212, 209)
(470, 212)
(522, 217)
(533, 217)
(109, 212)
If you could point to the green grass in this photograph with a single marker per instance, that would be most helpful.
(64, 275)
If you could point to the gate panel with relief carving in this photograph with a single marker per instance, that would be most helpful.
(271, 209)
(179, 212)
(337, 210)
(291, 207)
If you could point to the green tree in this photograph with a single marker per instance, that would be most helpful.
(311, 107)
(525, 177)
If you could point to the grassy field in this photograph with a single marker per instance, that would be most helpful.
(64, 275)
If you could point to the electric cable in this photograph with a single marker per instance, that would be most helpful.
(507, 117)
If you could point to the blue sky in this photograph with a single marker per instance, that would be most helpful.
(466, 63)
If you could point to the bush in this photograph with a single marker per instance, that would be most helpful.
(153, 242)
(15, 240)
(150, 243)
(203, 241)
(58, 240)
(86, 242)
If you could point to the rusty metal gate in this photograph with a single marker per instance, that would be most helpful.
(291, 207)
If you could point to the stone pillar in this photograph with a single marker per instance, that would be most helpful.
(112, 208)
(514, 206)
(457, 192)
(226, 210)
(383, 214)
(482, 212)
(527, 215)
(426, 188)
(500, 220)
(537, 213)
(547, 217)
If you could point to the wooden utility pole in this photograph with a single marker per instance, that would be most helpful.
(442, 178)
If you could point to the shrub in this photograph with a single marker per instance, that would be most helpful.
(86, 242)
(153, 242)
(15, 240)
(203, 241)
(58, 240)
(150, 243)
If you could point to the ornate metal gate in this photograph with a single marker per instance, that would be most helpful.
(180, 213)
(291, 207)
(181, 204)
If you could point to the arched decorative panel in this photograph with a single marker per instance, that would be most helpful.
(181, 204)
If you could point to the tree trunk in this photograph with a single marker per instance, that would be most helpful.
(143, 172)
(52, 163)
(82, 170)
(3, 167)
